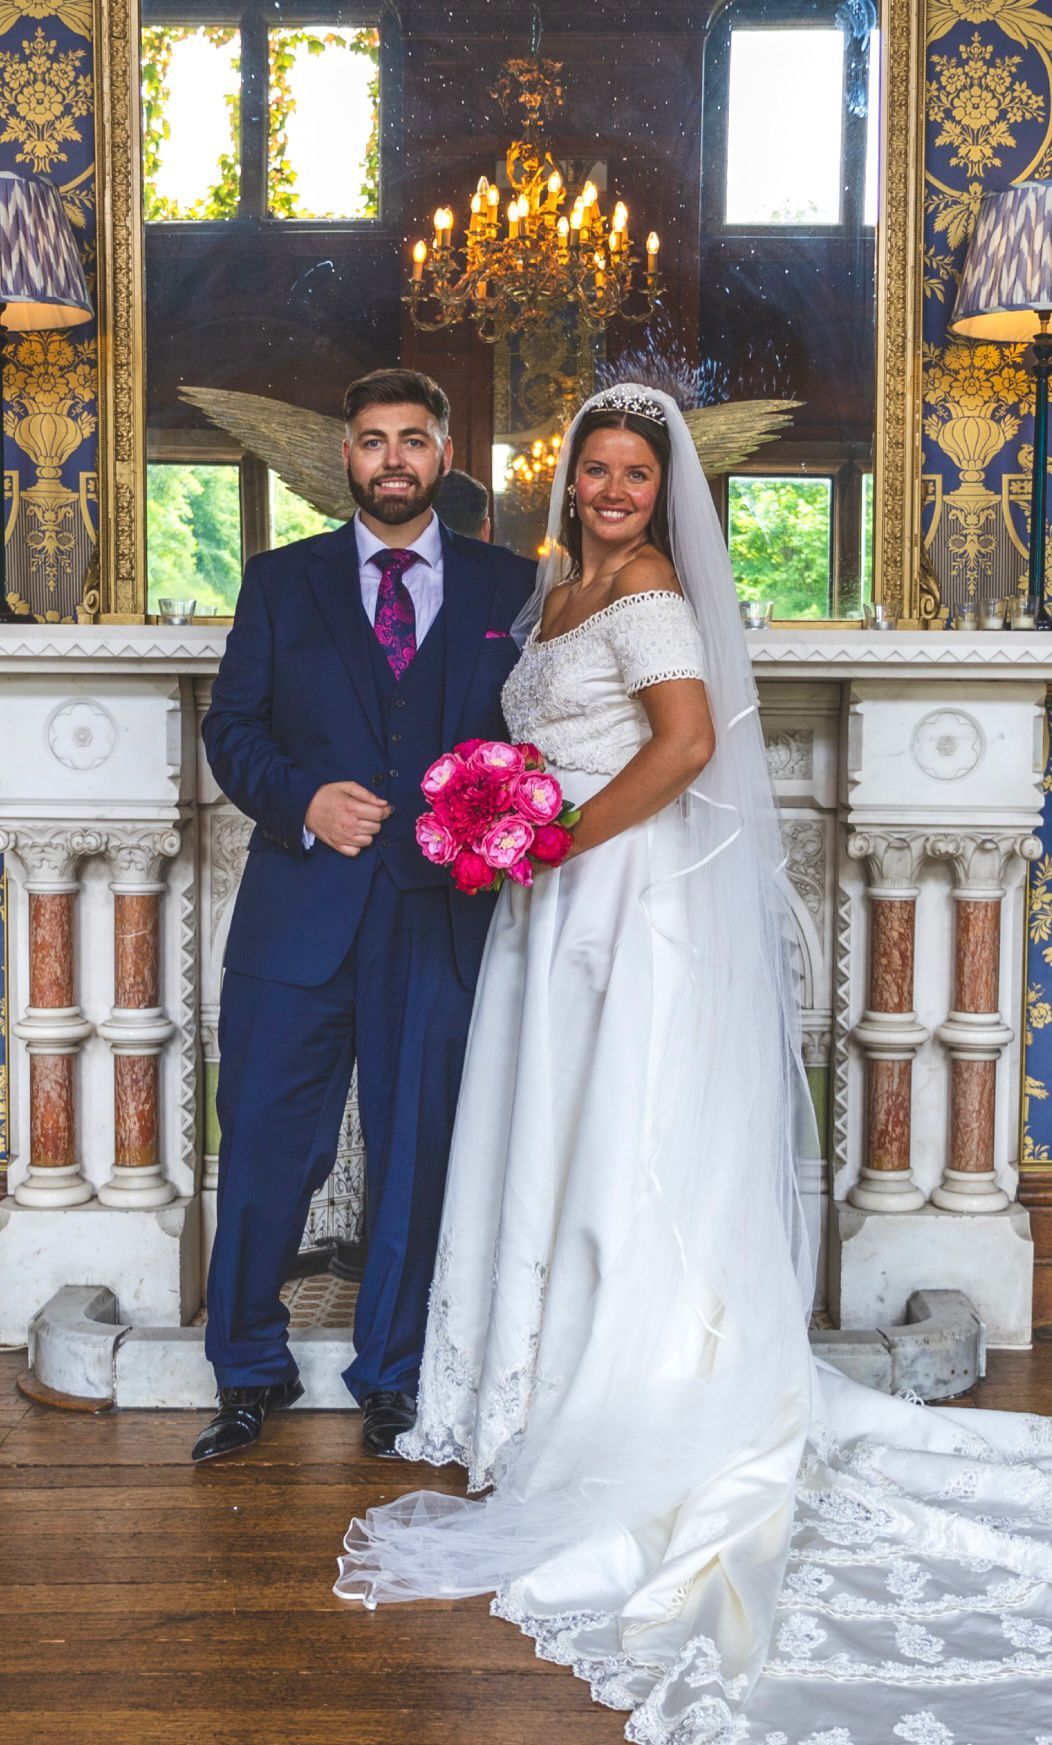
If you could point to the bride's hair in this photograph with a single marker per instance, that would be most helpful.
(656, 437)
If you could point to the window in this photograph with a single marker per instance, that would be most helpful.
(193, 530)
(803, 540)
(783, 155)
(250, 119)
(204, 518)
(791, 116)
(780, 539)
(191, 99)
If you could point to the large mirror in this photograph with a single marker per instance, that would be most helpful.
(292, 150)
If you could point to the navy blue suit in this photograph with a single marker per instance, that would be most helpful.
(333, 959)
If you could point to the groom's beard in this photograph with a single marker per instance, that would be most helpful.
(393, 511)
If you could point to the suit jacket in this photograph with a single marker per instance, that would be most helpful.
(297, 703)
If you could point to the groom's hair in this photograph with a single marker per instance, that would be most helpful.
(397, 388)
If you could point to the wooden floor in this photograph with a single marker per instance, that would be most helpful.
(144, 1602)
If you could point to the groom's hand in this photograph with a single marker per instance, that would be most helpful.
(346, 816)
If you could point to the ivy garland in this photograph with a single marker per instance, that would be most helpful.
(221, 200)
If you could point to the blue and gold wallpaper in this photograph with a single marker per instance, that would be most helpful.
(50, 488)
(989, 125)
(50, 378)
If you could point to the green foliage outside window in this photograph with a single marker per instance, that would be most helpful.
(283, 198)
(221, 200)
(159, 42)
(194, 531)
(291, 518)
(193, 520)
(779, 543)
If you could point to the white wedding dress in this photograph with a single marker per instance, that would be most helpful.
(732, 1544)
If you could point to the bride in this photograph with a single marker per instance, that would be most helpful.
(729, 1541)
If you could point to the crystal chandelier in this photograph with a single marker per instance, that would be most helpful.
(534, 260)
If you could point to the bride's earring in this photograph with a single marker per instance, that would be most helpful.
(571, 492)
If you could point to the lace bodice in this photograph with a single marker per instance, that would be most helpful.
(574, 695)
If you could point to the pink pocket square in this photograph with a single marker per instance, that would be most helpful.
(497, 635)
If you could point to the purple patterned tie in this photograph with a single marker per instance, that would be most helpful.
(395, 622)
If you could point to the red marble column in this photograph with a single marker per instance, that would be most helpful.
(888, 1032)
(136, 988)
(52, 1129)
(975, 1035)
(889, 1076)
(52, 1025)
(137, 1028)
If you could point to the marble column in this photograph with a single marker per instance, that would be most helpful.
(888, 1032)
(52, 1026)
(974, 1032)
(137, 1027)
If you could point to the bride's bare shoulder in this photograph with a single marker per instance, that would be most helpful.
(648, 570)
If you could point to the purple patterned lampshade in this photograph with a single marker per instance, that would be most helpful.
(41, 279)
(1007, 275)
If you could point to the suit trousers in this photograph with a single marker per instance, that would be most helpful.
(397, 1006)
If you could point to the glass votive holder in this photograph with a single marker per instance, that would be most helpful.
(991, 614)
(877, 617)
(206, 611)
(756, 614)
(966, 617)
(176, 611)
(1022, 611)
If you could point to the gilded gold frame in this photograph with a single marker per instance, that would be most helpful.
(122, 351)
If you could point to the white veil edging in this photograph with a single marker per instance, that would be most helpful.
(722, 1256)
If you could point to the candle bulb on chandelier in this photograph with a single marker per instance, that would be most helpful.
(563, 229)
(513, 219)
(652, 253)
(419, 257)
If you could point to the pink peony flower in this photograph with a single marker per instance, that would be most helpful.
(471, 873)
(493, 754)
(437, 843)
(537, 796)
(470, 803)
(441, 773)
(466, 747)
(521, 872)
(551, 844)
(534, 758)
(506, 842)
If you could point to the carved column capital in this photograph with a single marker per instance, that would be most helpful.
(139, 856)
(980, 859)
(50, 853)
(892, 860)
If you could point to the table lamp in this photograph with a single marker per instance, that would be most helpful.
(1005, 296)
(42, 282)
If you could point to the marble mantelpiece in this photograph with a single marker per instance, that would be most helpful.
(874, 739)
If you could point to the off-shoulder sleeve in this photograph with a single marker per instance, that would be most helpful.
(654, 636)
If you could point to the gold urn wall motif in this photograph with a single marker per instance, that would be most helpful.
(50, 497)
(989, 125)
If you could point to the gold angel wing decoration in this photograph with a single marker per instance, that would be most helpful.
(727, 435)
(302, 447)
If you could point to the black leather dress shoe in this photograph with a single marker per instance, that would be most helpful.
(239, 1419)
(385, 1415)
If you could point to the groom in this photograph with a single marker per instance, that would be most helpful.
(355, 658)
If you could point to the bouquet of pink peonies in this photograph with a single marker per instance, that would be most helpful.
(495, 811)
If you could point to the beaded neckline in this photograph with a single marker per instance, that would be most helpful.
(535, 641)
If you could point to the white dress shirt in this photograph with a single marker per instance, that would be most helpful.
(423, 579)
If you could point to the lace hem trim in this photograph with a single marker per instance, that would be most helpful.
(663, 678)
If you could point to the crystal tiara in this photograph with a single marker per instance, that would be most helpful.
(626, 398)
